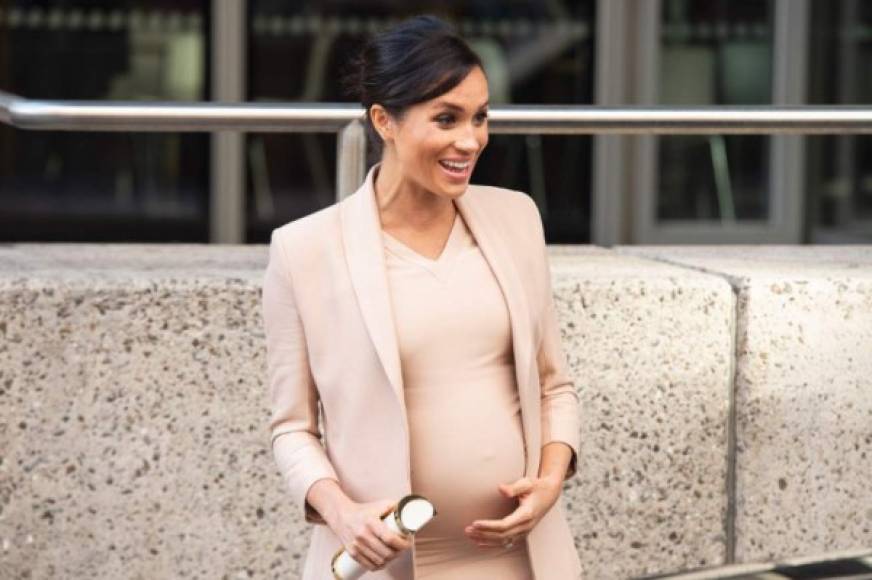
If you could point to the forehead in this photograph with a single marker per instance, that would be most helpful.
(470, 93)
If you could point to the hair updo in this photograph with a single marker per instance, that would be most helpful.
(415, 61)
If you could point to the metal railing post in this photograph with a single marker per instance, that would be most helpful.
(350, 159)
(227, 190)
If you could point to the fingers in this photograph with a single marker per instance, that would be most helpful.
(517, 488)
(384, 507)
(363, 554)
(386, 541)
(496, 532)
(396, 541)
(520, 516)
(378, 545)
(366, 537)
(491, 539)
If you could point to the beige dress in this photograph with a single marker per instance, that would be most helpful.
(461, 395)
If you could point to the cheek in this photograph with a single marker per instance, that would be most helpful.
(483, 137)
(425, 143)
(431, 146)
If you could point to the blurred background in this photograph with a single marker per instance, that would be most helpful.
(158, 187)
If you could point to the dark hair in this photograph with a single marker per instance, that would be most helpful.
(415, 61)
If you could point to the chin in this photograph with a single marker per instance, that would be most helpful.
(454, 191)
(450, 188)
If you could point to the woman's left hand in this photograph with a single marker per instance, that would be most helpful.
(535, 496)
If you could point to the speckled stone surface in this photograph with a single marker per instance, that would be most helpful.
(133, 414)
(803, 393)
(649, 347)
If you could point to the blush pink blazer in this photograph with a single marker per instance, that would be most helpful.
(331, 342)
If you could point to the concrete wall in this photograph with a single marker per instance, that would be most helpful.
(726, 405)
(803, 392)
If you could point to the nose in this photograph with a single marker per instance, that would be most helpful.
(468, 142)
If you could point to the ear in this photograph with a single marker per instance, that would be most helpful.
(382, 122)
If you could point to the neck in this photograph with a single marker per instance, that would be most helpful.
(403, 203)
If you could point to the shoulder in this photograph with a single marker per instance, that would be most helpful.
(310, 238)
(309, 229)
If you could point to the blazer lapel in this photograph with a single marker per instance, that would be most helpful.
(493, 243)
(364, 253)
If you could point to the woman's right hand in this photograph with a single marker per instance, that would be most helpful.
(365, 537)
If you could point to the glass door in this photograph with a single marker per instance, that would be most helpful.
(840, 167)
(104, 186)
(719, 188)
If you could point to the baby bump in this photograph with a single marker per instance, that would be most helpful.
(466, 439)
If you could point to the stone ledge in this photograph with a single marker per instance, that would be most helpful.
(803, 393)
(649, 345)
(133, 412)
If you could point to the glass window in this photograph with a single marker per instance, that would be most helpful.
(840, 167)
(534, 52)
(106, 186)
(715, 53)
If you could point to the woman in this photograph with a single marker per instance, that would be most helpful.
(418, 313)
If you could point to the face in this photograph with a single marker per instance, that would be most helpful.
(438, 142)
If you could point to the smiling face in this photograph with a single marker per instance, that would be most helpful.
(437, 143)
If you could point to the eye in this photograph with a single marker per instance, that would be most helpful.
(482, 117)
(444, 119)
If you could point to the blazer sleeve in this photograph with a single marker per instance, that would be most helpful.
(295, 435)
(560, 401)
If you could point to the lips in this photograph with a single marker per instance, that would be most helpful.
(456, 168)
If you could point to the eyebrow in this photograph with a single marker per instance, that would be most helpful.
(455, 107)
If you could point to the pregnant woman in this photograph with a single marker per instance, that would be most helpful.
(416, 315)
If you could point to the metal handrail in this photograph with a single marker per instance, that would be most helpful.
(345, 120)
(508, 119)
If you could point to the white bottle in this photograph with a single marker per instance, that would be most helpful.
(410, 515)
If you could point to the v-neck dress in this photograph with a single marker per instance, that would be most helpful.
(455, 345)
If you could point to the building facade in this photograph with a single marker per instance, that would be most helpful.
(605, 189)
